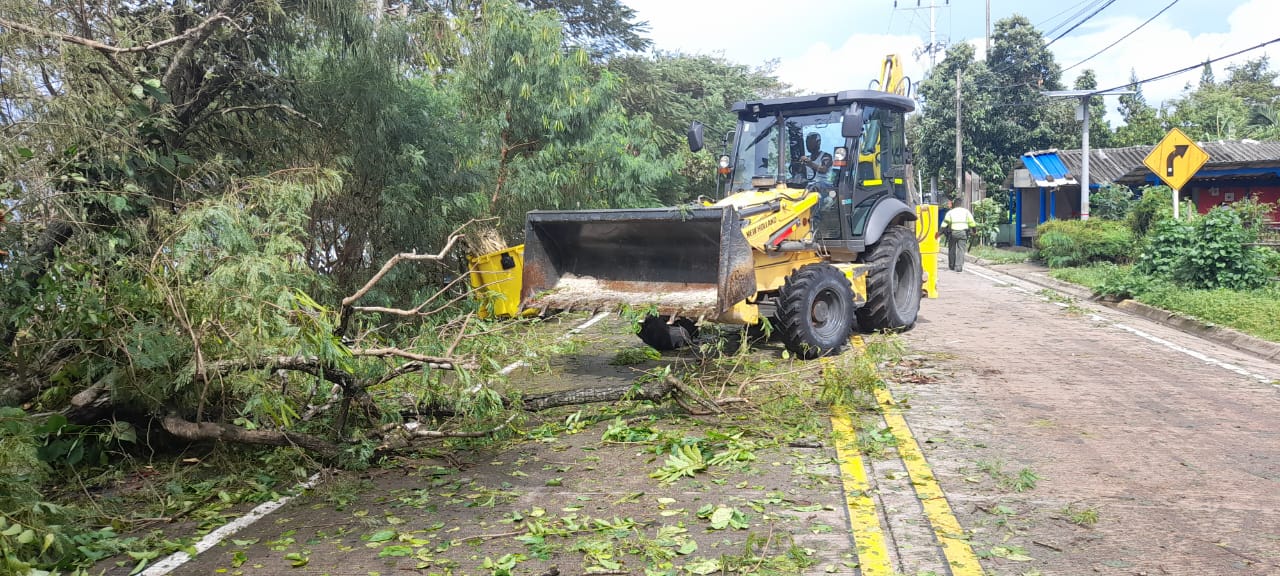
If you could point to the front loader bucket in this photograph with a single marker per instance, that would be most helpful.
(690, 262)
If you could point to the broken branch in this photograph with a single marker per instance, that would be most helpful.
(201, 431)
(109, 49)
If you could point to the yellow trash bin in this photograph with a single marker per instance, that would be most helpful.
(495, 277)
(927, 234)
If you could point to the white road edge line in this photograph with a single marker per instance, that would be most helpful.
(1017, 284)
(1158, 340)
(215, 537)
(1194, 354)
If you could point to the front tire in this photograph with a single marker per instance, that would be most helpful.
(815, 311)
(893, 282)
(661, 336)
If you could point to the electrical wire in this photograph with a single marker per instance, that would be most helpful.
(1077, 24)
(1164, 76)
(1109, 46)
(1131, 33)
(1091, 5)
(1189, 68)
(1079, 13)
(1051, 18)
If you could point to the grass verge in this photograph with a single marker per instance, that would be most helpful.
(1000, 255)
(1250, 311)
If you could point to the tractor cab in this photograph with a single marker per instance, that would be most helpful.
(848, 147)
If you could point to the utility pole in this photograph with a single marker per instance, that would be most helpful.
(933, 47)
(964, 198)
(985, 55)
(1082, 114)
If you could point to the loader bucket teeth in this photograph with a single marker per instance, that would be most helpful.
(690, 262)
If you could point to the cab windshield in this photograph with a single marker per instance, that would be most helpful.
(791, 148)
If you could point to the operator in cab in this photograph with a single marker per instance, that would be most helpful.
(816, 162)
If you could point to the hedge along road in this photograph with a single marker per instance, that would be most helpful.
(1074, 439)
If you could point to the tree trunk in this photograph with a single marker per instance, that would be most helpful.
(200, 431)
(651, 391)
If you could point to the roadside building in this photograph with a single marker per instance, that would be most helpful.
(1047, 186)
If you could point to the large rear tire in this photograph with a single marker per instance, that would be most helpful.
(893, 282)
(815, 311)
(661, 336)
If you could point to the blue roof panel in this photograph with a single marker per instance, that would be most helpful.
(1047, 169)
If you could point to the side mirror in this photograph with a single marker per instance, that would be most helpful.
(695, 136)
(851, 123)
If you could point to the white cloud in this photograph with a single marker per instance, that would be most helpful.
(1159, 48)
(853, 65)
(813, 57)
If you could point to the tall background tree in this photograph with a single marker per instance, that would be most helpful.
(1003, 111)
(198, 199)
(1142, 125)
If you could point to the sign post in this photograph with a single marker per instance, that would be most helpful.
(1175, 160)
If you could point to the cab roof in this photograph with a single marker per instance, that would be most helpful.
(831, 99)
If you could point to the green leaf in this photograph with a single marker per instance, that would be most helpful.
(124, 432)
(138, 91)
(12, 530)
(297, 560)
(27, 536)
(382, 535)
(24, 152)
(703, 566)
(721, 517)
(395, 551)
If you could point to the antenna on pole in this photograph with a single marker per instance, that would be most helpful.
(934, 46)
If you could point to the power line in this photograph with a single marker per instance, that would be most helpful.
(1094, 4)
(1191, 67)
(1069, 19)
(1077, 24)
(1051, 18)
(1131, 32)
(1039, 102)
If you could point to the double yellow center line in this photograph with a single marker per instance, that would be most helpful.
(864, 519)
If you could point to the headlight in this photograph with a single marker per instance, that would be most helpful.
(840, 154)
(724, 161)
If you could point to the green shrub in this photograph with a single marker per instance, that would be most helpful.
(1078, 242)
(988, 214)
(1122, 283)
(1207, 252)
(1164, 247)
(1111, 202)
(1218, 255)
(1154, 205)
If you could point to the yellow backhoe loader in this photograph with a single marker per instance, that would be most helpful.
(818, 242)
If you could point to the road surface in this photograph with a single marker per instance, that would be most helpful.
(1172, 443)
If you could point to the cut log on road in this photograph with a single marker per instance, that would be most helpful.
(651, 391)
(198, 431)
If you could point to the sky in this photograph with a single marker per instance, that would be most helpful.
(830, 45)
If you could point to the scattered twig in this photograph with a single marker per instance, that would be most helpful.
(406, 256)
(490, 536)
(1245, 556)
(1046, 545)
(435, 362)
